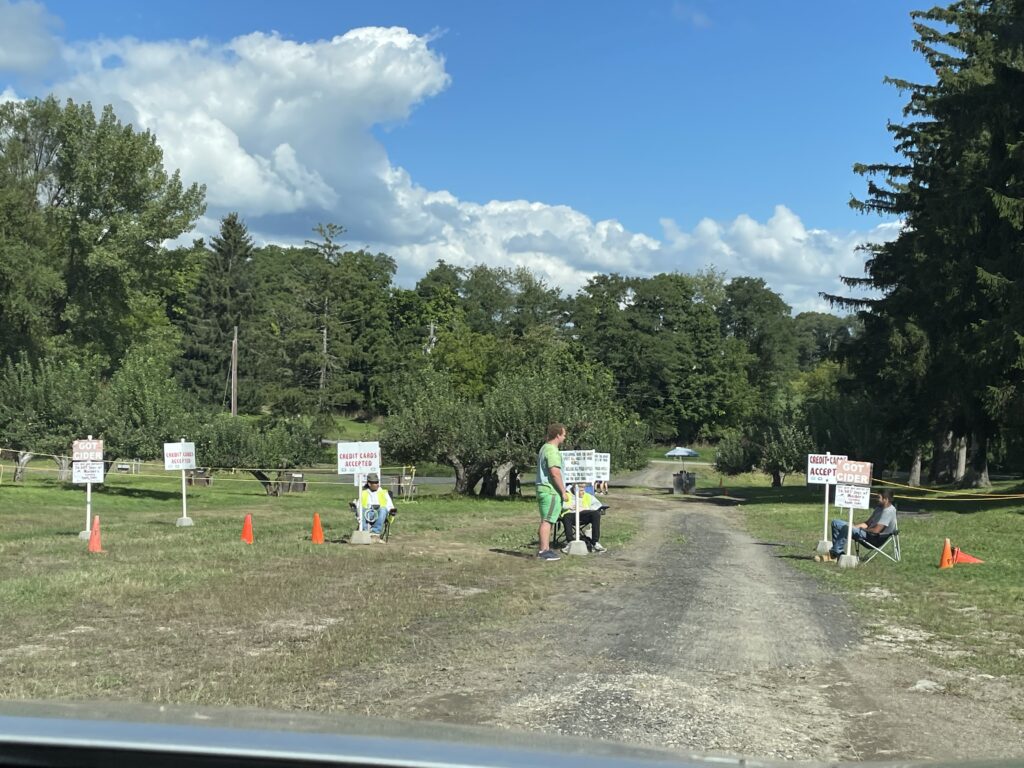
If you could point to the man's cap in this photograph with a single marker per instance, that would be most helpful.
(373, 478)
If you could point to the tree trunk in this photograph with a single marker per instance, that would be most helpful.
(503, 474)
(24, 457)
(960, 452)
(977, 475)
(914, 479)
(63, 468)
(489, 483)
(941, 448)
(776, 479)
(272, 487)
(474, 475)
(460, 474)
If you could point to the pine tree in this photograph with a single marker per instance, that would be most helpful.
(954, 274)
(222, 300)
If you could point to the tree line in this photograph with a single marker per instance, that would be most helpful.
(108, 330)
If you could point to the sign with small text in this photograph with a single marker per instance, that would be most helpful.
(602, 466)
(853, 496)
(83, 472)
(577, 467)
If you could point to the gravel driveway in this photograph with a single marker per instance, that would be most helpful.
(701, 638)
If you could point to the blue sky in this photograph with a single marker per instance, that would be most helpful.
(573, 138)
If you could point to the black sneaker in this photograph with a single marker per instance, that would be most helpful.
(549, 555)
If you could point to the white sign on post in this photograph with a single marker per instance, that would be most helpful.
(358, 458)
(577, 467)
(821, 468)
(854, 478)
(83, 472)
(179, 456)
(87, 468)
(853, 496)
(602, 467)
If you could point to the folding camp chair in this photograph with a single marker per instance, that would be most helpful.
(560, 528)
(877, 544)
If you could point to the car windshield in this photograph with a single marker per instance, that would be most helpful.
(644, 374)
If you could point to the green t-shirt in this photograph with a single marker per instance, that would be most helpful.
(548, 457)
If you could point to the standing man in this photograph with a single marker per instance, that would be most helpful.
(550, 488)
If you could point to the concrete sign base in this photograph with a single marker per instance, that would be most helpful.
(576, 548)
(359, 537)
(848, 561)
(823, 547)
(184, 522)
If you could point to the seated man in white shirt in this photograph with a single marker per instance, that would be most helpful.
(376, 502)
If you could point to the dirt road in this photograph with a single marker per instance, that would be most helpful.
(701, 638)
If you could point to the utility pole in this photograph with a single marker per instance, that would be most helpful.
(234, 374)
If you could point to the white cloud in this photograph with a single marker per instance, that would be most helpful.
(795, 261)
(27, 43)
(281, 131)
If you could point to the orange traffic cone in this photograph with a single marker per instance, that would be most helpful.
(959, 556)
(94, 536)
(247, 530)
(946, 559)
(318, 531)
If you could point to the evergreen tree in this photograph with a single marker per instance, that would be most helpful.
(955, 272)
(221, 300)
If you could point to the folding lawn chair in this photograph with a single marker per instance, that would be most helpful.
(887, 545)
(560, 529)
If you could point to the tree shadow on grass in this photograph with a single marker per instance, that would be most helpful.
(139, 493)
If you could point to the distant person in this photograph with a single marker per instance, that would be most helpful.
(377, 504)
(881, 523)
(591, 511)
(550, 489)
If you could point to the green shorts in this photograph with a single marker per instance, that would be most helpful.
(549, 502)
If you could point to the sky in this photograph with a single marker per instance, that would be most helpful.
(572, 138)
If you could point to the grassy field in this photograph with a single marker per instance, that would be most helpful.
(968, 616)
(192, 615)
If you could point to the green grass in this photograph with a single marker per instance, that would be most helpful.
(192, 615)
(971, 613)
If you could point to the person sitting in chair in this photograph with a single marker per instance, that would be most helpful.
(591, 511)
(881, 523)
(376, 502)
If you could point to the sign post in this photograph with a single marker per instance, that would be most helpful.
(87, 468)
(577, 468)
(821, 470)
(853, 490)
(358, 460)
(181, 456)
